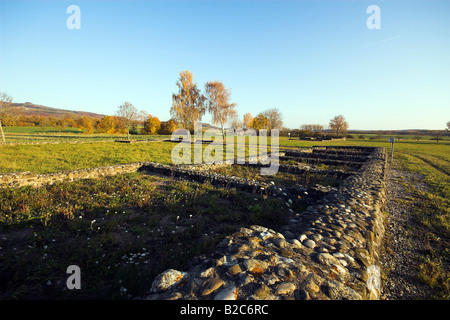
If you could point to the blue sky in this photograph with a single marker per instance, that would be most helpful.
(310, 59)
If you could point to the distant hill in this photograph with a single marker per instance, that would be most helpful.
(29, 108)
(207, 126)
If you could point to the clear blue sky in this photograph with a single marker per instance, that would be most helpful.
(310, 59)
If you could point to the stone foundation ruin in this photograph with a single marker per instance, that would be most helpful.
(329, 251)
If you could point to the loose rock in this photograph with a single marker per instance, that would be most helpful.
(166, 279)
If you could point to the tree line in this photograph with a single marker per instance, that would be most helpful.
(86, 124)
(189, 104)
(337, 124)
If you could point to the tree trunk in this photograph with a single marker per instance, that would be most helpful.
(128, 134)
(3, 135)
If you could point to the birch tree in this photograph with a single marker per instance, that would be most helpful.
(218, 104)
(248, 120)
(129, 115)
(188, 105)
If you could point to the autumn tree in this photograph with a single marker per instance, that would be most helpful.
(260, 122)
(128, 115)
(151, 125)
(312, 129)
(248, 120)
(85, 124)
(274, 118)
(45, 123)
(60, 123)
(5, 110)
(268, 120)
(188, 105)
(235, 123)
(338, 124)
(218, 103)
(167, 127)
(110, 125)
(106, 125)
(71, 122)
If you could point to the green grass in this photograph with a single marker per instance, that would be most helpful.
(38, 129)
(45, 130)
(58, 157)
(46, 158)
(431, 208)
(41, 137)
(398, 137)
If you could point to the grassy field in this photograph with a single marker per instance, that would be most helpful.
(56, 157)
(399, 137)
(38, 129)
(431, 209)
(41, 137)
(47, 158)
(81, 216)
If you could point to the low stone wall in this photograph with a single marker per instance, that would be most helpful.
(36, 180)
(53, 142)
(319, 160)
(346, 148)
(322, 139)
(76, 142)
(330, 251)
(327, 156)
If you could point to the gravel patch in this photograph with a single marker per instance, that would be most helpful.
(404, 240)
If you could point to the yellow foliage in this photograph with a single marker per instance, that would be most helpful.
(151, 125)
